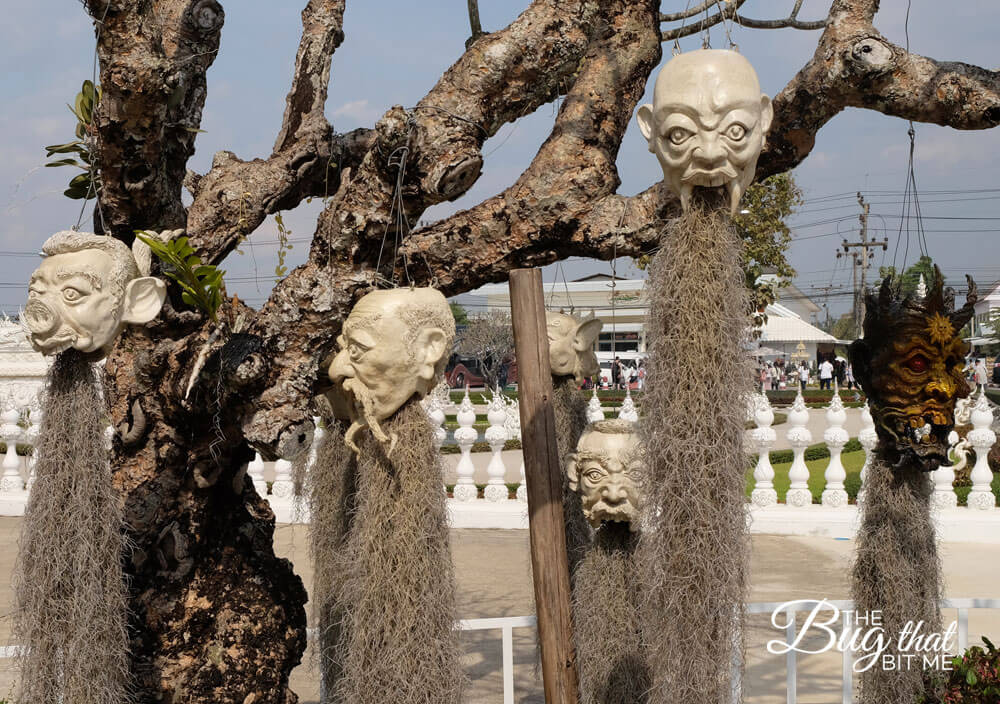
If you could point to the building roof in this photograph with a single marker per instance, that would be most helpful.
(792, 329)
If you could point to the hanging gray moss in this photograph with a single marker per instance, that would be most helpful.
(607, 620)
(693, 553)
(897, 571)
(394, 603)
(71, 600)
(571, 418)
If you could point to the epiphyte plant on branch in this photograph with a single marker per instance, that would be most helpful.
(87, 184)
(594, 58)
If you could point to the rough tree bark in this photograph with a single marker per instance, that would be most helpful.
(217, 617)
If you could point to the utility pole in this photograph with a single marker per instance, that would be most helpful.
(862, 259)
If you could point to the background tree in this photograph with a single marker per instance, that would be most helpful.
(461, 315)
(911, 277)
(216, 616)
(489, 339)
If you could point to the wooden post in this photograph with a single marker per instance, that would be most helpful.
(543, 472)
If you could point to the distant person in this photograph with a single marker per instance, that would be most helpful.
(841, 373)
(642, 374)
(616, 374)
(803, 376)
(980, 374)
(825, 374)
(850, 376)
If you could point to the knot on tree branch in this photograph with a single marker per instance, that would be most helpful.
(872, 56)
(206, 16)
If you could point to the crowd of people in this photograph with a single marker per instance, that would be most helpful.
(782, 374)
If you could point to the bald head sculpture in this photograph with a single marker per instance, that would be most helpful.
(85, 291)
(707, 123)
(395, 344)
(571, 345)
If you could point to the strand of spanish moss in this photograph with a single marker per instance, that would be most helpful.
(571, 418)
(693, 552)
(607, 621)
(70, 593)
(897, 571)
(399, 645)
(331, 491)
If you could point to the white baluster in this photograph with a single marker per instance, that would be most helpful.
(496, 436)
(944, 477)
(799, 438)
(437, 416)
(465, 436)
(764, 438)
(318, 434)
(281, 487)
(10, 480)
(256, 471)
(594, 411)
(868, 439)
(627, 411)
(835, 437)
(514, 432)
(981, 437)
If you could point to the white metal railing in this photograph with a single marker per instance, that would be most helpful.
(506, 626)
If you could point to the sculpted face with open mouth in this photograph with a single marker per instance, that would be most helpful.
(707, 123)
(604, 470)
(910, 364)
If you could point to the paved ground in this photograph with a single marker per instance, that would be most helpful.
(494, 579)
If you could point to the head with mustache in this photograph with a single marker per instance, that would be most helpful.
(87, 288)
(605, 470)
(707, 123)
(571, 345)
(394, 345)
(910, 363)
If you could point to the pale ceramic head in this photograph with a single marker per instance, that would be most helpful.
(571, 345)
(394, 345)
(707, 123)
(605, 471)
(85, 291)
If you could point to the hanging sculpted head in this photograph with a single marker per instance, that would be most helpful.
(394, 344)
(707, 123)
(86, 289)
(910, 363)
(605, 471)
(571, 345)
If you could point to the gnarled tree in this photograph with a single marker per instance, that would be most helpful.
(216, 616)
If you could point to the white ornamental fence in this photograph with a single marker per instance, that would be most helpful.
(488, 491)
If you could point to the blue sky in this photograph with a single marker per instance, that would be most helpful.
(395, 51)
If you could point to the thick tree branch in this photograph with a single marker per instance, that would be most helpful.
(156, 70)
(539, 218)
(854, 66)
(233, 199)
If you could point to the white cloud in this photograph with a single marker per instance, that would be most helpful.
(358, 111)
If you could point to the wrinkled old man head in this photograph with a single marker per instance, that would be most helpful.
(394, 344)
(571, 345)
(707, 123)
(84, 292)
(605, 470)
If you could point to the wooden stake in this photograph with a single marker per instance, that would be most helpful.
(543, 479)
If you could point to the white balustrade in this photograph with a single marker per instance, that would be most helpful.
(982, 438)
(10, 479)
(465, 436)
(764, 437)
(868, 439)
(944, 495)
(799, 438)
(835, 437)
(496, 436)
(256, 472)
(594, 410)
(627, 411)
(282, 487)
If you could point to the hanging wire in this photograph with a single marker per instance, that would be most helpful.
(677, 44)
(397, 212)
(727, 24)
